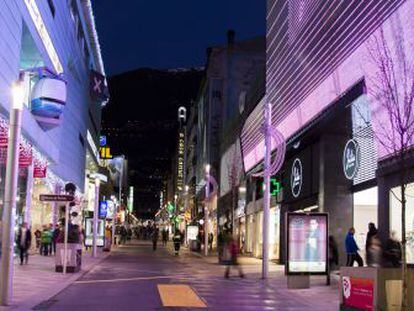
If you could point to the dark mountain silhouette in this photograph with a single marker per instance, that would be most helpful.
(140, 121)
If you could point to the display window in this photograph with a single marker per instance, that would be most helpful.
(365, 211)
(395, 217)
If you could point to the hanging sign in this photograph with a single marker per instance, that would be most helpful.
(39, 168)
(4, 133)
(351, 159)
(296, 178)
(25, 154)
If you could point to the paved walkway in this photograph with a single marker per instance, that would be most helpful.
(131, 278)
(38, 281)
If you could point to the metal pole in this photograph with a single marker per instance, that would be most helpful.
(121, 176)
(206, 212)
(9, 208)
(95, 219)
(65, 247)
(266, 194)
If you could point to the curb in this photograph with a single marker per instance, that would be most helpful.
(37, 299)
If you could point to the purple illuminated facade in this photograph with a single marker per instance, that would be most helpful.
(322, 78)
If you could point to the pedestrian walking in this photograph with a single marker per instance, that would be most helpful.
(55, 237)
(164, 237)
(38, 235)
(352, 249)
(393, 251)
(46, 241)
(210, 241)
(24, 240)
(124, 234)
(177, 242)
(333, 253)
(231, 252)
(154, 238)
(371, 234)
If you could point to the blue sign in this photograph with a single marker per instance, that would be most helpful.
(103, 209)
(102, 141)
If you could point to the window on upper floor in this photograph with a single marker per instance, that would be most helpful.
(52, 7)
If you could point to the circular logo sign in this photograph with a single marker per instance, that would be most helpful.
(351, 159)
(296, 178)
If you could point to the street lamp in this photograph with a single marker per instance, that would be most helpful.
(98, 178)
(10, 193)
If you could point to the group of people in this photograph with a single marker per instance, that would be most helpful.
(375, 254)
(45, 241)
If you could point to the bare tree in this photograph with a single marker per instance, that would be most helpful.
(392, 91)
(233, 163)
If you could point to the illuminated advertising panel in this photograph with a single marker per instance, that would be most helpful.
(100, 238)
(307, 238)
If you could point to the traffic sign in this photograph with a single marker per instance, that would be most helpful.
(56, 198)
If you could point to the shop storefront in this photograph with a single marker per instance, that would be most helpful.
(330, 167)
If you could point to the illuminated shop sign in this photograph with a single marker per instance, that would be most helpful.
(351, 159)
(131, 199)
(43, 33)
(180, 161)
(296, 178)
(275, 187)
(105, 153)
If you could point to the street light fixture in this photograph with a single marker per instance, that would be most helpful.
(10, 193)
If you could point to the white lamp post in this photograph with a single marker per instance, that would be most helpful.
(98, 178)
(9, 206)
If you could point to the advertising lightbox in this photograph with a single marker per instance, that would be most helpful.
(100, 239)
(192, 233)
(307, 243)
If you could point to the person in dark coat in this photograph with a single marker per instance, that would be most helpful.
(24, 240)
(352, 249)
(333, 253)
(155, 234)
(372, 233)
(393, 251)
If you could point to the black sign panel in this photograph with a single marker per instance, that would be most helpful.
(97, 88)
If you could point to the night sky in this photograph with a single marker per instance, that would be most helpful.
(167, 34)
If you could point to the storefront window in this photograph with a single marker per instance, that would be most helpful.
(395, 217)
(365, 211)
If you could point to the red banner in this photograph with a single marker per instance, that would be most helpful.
(4, 134)
(358, 293)
(39, 169)
(25, 155)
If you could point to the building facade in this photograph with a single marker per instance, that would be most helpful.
(323, 80)
(55, 45)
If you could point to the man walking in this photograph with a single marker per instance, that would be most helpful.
(352, 249)
(24, 240)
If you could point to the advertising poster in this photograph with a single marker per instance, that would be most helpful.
(103, 209)
(89, 232)
(192, 233)
(307, 243)
(111, 209)
(358, 293)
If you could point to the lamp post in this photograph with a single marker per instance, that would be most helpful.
(121, 173)
(266, 183)
(187, 188)
(9, 206)
(98, 179)
(208, 168)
